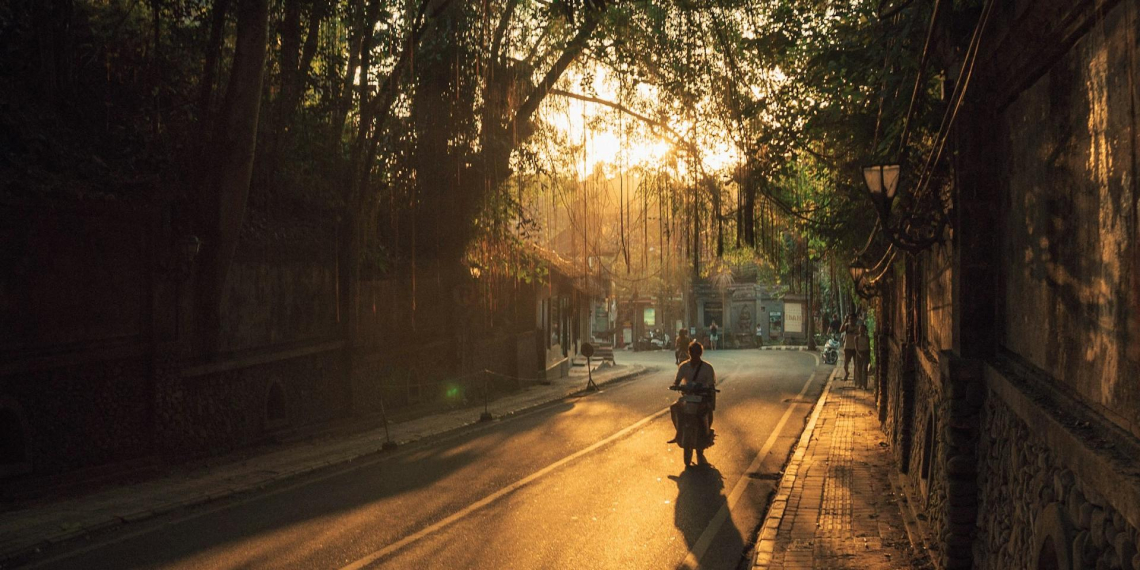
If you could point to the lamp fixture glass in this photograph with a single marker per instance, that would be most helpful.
(882, 180)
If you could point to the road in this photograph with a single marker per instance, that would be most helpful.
(588, 482)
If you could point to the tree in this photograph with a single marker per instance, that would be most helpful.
(230, 162)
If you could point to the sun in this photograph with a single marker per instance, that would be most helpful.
(622, 141)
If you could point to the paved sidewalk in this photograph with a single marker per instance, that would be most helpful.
(834, 507)
(26, 530)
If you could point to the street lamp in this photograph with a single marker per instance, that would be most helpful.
(858, 270)
(882, 182)
(860, 274)
(921, 219)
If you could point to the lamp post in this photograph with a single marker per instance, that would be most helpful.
(921, 218)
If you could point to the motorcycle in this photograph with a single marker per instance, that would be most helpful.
(831, 351)
(693, 419)
(681, 355)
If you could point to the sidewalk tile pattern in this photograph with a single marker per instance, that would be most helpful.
(835, 508)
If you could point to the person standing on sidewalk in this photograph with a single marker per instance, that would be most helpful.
(714, 334)
(850, 331)
(862, 357)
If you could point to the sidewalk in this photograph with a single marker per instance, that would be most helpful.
(26, 530)
(834, 507)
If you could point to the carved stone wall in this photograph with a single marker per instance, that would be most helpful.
(1032, 494)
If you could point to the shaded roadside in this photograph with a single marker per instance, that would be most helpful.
(26, 530)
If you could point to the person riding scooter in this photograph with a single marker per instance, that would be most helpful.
(694, 375)
(681, 346)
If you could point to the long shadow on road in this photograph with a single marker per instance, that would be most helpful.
(700, 495)
(286, 527)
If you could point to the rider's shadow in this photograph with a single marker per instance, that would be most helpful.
(700, 495)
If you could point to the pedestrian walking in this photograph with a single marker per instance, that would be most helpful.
(714, 334)
(862, 357)
(850, 331)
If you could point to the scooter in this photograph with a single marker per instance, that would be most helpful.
(693, 420)
(831, 351)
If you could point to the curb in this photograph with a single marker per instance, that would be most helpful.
(800, 348)
(766, 541)
(16, 556)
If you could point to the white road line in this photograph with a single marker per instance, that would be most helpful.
(705, 540)
(459, 515)
(498, 494)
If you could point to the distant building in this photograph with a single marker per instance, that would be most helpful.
(740, 307)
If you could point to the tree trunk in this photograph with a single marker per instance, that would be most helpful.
(230, 163)
(213, 53)
(343, 98)
(810, 305)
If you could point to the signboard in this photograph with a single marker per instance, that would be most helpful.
(794, 318)
(650, 317)
(775, 324)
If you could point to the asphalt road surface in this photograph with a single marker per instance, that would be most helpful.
(588, 482)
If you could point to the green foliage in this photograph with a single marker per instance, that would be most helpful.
(407, 121)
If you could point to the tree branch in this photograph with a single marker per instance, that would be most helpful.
(674, 137)
(573, 48)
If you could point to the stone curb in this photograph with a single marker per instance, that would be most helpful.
(801, 348)
(766, 541)
(11, 555)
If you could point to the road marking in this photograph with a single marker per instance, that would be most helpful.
(705, 540)
(377, 555)
(455, 517)
(695, 553)
(279, 488)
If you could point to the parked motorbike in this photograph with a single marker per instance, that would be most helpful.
(693, 419)
(652, 341)
(831, 351)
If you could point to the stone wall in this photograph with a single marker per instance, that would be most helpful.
(923, 476)
(1009, 379)
(936, 321)
(212, 409)
(1035, 493)
(270, 303)
(934, 444)
(1071, 254)
(75, 315)
(105, 400)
